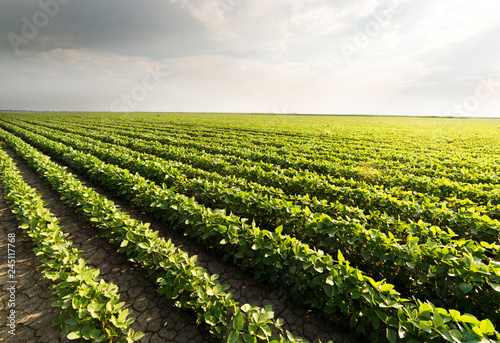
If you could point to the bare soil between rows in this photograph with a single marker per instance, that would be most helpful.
(156, 316)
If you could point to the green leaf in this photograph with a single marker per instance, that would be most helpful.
(401, 332)
(143, 245)
(65, 331)
(266, 329)
(122, 317)
(392, 336)
(455, 315)
(85, 331)
(233, 337)
(386, 287)
(474, 338)
(437, 320)
(238, 322)
(487, 327)
(239, 254)
(424, 311)
(253, 328)
(465, 287)
(245, 308)
(356, 294)
(210, 320)
(138, 335)
(96, 334)
(495, 286)
(279, 322)
(76, 303)
(469, 318)
(486, 245)
(411, 265)
(74, 335)
(457, 337)
(340, 257)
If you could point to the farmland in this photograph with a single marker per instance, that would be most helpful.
(383, 229)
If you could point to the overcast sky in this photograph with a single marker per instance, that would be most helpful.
(419, 57)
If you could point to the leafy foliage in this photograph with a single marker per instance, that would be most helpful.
(89, 306)
(177, 274)
(413, 229)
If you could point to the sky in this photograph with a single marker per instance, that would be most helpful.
(396, 57)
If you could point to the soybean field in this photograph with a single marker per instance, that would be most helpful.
(253, 227)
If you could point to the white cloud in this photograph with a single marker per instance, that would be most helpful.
(452, 21)
(298, 21)
(211, 13)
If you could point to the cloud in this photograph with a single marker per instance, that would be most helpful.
(126, 27)
(242, 55)
(211, 13)
(66, 79)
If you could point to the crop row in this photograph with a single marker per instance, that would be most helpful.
(176, 273)
(335, 163)
(435, 271)
(269, 207)
(470, 182)
(351, 150)
(466, 220)
(90, 307)
(247, 189)
(305, 274)
(252, 197)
